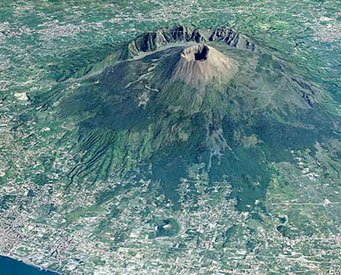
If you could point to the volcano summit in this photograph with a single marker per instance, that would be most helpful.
(200, 64)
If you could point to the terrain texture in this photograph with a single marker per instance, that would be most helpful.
(180, 150)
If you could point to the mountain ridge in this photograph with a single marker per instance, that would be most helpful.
(153, 40)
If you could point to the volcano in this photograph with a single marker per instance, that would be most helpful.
(180, 96)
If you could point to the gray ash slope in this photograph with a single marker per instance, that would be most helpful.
(159, 104)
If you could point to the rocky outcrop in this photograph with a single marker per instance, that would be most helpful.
(151, 41)
(154, 40)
